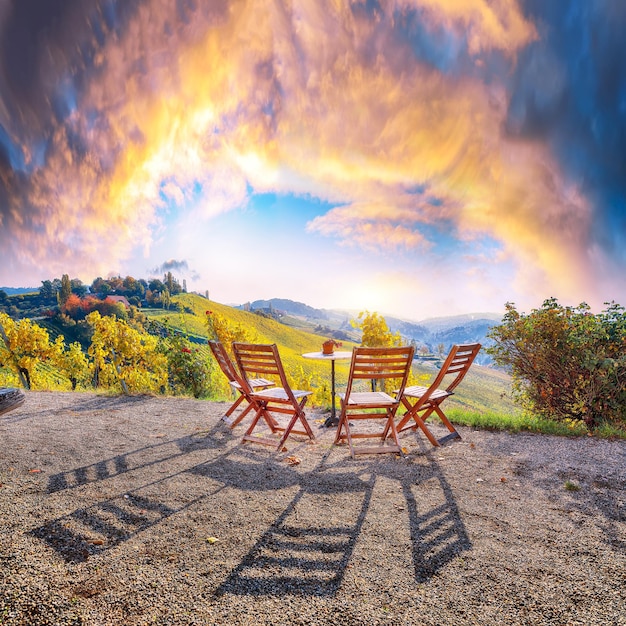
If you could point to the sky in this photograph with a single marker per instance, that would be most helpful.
(416, 158)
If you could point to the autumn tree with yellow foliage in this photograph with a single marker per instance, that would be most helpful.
(23, 344)
(375, 332)
(123, 354)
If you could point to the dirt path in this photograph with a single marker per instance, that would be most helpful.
(141, 510)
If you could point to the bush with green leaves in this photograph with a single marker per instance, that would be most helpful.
(566, 362)
(188, 369)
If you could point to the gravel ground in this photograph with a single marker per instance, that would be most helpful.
(142, 510)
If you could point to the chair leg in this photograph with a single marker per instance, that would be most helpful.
(349, 437)
(298, 415)
(391, 426)
(343, 423)
(234, 406)
(420, 422)
(422, 425)
(240, 417)
(406, 418)
(453, 431)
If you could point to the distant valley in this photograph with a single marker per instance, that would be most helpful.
(434, 334)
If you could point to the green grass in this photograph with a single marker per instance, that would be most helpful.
(520, 422)
(571, 486)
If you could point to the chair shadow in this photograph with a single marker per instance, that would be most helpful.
(311, 558)
(438, 534)
(104, 469)
(301, 552)
(99, 527)
(303, 555)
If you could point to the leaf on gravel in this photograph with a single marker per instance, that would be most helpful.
(96, 542)
(293, 460)
(503, 480)
(35, 471)
(211, 540)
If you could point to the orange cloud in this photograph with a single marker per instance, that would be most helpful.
(305, 98)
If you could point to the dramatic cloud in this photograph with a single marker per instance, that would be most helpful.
(486, 135)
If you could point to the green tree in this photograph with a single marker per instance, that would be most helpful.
(566, 363)
(168, 279)
(133, 287)
(156, 286)
(78, 288)
(166, 299)
(101, 287)
(47, 290)
(188, 370)
(66, 290)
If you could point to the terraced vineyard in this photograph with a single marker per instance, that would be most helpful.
(483, 390)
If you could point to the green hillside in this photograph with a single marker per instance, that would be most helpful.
(483, 390)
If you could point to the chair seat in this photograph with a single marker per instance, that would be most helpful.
(374, 398)
(417, 392)
(254, 383)
(279, 394)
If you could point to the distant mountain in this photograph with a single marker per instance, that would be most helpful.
(430, 333)
(16, 291)
(290, 307)
(447, 331)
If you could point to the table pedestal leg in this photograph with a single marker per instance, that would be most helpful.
(332, 420)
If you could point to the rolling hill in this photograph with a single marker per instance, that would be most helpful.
(483, 390)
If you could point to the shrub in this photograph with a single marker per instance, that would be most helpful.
(188, 370)
(566, 363)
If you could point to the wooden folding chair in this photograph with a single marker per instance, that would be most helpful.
(263, 359)
(427, 400)
(234, 380)
(391, 365)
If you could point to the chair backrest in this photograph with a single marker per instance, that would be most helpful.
(261, 360)
(223, 360)
(457, 363)
(226, 364)
(380, 364)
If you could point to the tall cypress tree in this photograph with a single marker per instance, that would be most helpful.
(66, 289)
